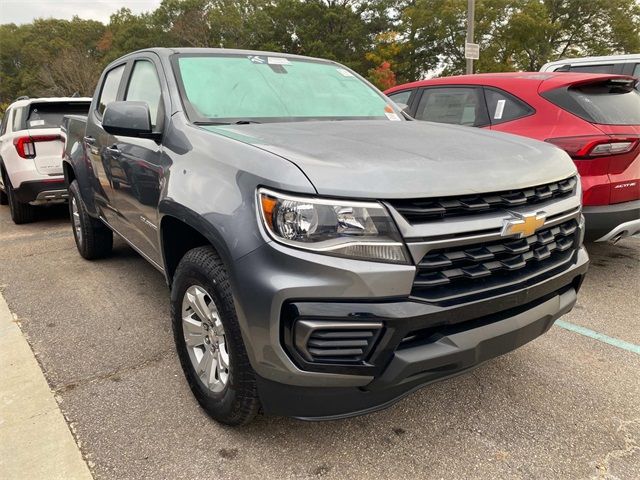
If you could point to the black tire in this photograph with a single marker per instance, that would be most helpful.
(4, 200)
(94, 239)
(20, 212)
(237, 403)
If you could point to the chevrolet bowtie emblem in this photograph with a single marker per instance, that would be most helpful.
(523, 225)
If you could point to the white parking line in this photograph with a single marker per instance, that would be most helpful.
(35, 441)
(601, 337)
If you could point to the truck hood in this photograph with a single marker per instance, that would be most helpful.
(386, 160)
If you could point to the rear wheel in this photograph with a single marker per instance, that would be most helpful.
(93, 238)
(20, 212)
(208, 339)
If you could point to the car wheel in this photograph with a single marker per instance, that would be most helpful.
(93, 238)
(20, 212)
(208, 339)
(3, 198)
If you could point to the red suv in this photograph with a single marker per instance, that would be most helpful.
(595, 118)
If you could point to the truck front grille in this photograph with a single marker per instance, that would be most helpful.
(492, 267)
(424, 210)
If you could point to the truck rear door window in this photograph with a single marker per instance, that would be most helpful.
(610, 102)
(49, 114)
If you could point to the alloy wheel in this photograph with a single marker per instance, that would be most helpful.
(205, 339)
(75, 217)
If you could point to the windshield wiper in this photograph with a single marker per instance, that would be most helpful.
(205, 123)
(237, 122)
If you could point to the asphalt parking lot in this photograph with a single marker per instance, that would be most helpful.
(563, 406)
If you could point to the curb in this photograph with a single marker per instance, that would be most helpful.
(35, 440)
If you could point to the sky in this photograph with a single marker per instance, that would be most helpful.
(24, 11)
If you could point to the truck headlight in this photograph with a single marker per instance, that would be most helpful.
(361, 230)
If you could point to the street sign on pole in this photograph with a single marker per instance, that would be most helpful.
(471, 51)
(471, 15)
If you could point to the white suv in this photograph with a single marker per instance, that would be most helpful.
(616, 64)
(31, 153)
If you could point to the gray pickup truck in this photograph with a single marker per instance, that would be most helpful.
(325, 255)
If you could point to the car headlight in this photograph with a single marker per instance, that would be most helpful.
(361, 230)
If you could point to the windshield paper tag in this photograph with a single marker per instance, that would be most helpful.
(278, 61)
(344, 73)
(35, 123)
(499, 109)
(392, 116)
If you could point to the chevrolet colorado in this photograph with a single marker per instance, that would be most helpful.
(325, 255)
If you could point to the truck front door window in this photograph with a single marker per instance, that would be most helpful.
(144, 86)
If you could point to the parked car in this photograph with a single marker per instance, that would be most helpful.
(30, 153)
(325, 255)
(594, 118)
(616, 64)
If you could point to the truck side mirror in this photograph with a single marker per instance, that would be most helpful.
(129, 119)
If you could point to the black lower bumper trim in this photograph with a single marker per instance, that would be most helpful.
(29, 191)
(601, 220)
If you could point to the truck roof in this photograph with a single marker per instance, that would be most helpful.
(167, 51)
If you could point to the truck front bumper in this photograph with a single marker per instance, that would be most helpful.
(418, 342)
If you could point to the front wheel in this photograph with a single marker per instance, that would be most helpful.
(93, 238)
(208, 339)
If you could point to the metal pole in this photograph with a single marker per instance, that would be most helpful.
(471, 13)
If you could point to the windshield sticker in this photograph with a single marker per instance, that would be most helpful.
(257, 59)
(499, 110)
(278, 61)
(344, 73)
(36, 123)
(390, 113)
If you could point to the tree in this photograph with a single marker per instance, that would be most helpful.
(513, 34)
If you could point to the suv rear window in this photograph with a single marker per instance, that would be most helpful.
(49, 114)
(612, 102)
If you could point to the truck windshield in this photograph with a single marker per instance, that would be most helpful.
(261, 88)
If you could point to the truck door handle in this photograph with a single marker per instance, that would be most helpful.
(89, 140)
(114, 151)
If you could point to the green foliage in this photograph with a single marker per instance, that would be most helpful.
(408, 37)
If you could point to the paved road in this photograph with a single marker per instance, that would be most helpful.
(563, 406)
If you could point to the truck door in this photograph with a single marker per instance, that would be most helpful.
(96, 141)
(136, 164)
